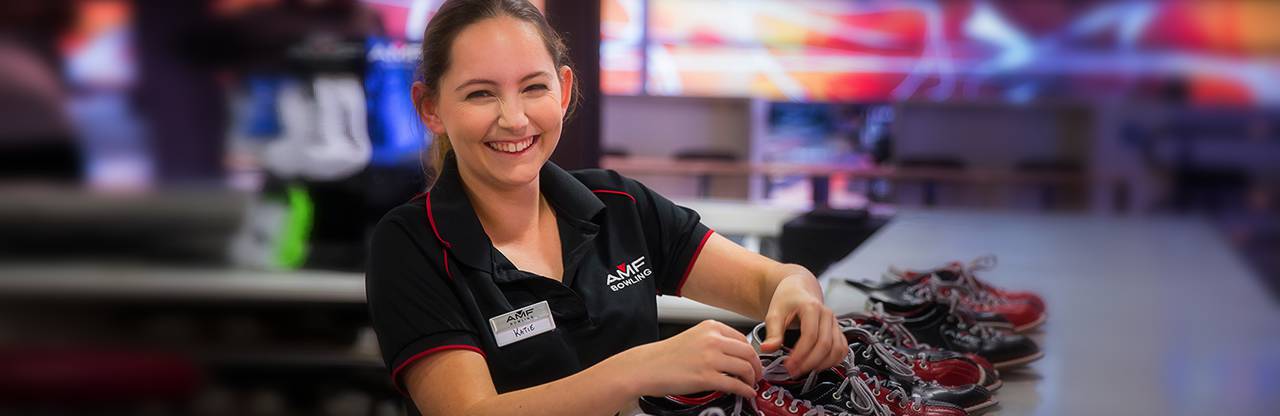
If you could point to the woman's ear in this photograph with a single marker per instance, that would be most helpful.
(426, 108)
(566, 87)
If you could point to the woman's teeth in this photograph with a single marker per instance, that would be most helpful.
(511, 147)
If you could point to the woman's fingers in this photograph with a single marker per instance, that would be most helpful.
(725, 330)
(738, 368)
(822, 344)
(735, 344)
(775, 325)
(729, 384)
(839, 346)
(809, 331)
(730, 365)
(740, 349)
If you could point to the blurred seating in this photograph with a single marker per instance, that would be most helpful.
(821, 237)
(704, 180)
(939, 163)
(95, 379)
(1051, 193)
(1210, 190)
(616, 152)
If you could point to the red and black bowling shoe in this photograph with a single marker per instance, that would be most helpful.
(978, 291)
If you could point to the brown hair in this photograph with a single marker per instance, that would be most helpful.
(454, 16)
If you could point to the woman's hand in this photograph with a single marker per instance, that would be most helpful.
(728, 276)
(821, 344)
(708, 356)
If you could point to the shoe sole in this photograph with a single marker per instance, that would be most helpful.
(1032, 325)
(975, 409)
(1001, 325)
(996, 385)
(1018, 362)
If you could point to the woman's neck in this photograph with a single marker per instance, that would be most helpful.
(507, 214)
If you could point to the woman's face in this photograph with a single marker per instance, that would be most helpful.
(501, 102)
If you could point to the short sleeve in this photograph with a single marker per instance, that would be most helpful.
(674, 235)
(412, 304)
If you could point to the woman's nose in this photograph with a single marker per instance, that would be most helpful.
(511, 115)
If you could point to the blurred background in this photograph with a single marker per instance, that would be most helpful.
(186, 186)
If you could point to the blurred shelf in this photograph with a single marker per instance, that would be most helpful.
(291, 358)
(668, 166)
(741, 217)
(107, 282)
(64, 206)
(94, 282)
(677, 310)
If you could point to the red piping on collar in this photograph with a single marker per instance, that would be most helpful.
(444, 253)
(607, 191)
(432, 219)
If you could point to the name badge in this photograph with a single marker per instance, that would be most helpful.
(522, 323)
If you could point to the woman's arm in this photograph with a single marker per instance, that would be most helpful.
(728, 276)
(709, 356)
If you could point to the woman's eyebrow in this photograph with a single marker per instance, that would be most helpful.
(534, 75)
(488, 82)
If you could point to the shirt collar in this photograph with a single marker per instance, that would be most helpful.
(454, 222)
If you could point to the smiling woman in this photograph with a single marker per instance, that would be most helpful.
(529, 101)
(515, 287)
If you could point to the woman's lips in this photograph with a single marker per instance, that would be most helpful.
(513, 147)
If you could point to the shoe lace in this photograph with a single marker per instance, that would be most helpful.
(877, 350)
(890, 338)
(716, 411)
(980, 263)
(860, 397)
(896, 393)
(892, 330)
(865, 390)
(923, 290)
(969, 273)
(975, 290)
(737, 408)
(966, 325)
(967, 287)
(774, 371)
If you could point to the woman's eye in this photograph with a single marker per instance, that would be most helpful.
(479, 94)
(536, 87)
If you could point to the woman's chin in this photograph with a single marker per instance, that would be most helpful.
(515, 176)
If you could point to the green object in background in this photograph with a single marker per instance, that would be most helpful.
(291, 248)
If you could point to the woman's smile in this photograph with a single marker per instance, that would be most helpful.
(514, 147)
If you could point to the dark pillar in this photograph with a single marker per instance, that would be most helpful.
(179, 99)
(579, 23)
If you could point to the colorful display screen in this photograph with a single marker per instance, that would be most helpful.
(891, 50)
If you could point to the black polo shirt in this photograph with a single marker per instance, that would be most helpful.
(434, 279)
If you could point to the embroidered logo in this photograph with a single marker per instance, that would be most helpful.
(628, 274)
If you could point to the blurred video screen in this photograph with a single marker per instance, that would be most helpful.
(1220, 52)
